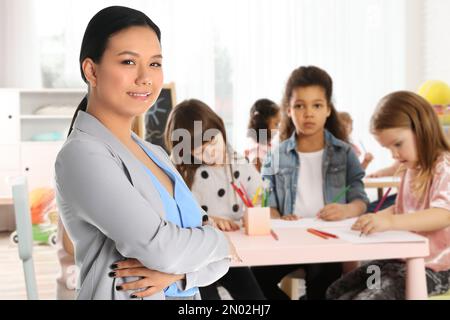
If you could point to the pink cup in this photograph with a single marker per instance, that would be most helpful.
(257, 221)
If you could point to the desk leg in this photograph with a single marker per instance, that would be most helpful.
(380, 193)
(416, 283)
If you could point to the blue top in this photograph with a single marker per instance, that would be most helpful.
(340, 168)
(182, 210)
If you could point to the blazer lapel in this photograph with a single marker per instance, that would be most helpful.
(139, 178)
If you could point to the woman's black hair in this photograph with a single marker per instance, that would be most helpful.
(260, 114)
(102, 26)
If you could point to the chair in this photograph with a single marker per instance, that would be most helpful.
(24, 233)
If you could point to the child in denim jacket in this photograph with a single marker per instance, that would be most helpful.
(308, 170)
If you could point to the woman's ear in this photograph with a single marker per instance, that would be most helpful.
(89, 70)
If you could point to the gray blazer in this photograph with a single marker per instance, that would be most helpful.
(111, 211)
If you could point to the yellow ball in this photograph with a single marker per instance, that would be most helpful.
(436, 92)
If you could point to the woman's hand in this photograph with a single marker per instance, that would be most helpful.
(225, 224)
(371, 223)
(334, 212)
(152, 281)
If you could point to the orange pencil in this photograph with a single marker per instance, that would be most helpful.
(327, 234)
(316, 233)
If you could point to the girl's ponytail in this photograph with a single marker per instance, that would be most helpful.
(83, 107)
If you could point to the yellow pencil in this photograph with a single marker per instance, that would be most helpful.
(256, 196)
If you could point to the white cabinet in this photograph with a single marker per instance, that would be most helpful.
(33, 127)
(9, 117)
(38, 161)
(5, 177)
(9, 157)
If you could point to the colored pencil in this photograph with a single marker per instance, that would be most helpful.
(326, 234)
(241, 195)
(245, 193)
(274, 235)
(314, 232)
(383, 199)
(380, 203)
(341, 194)
(256, 196)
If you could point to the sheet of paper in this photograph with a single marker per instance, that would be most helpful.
(351, 236)
(312, 223)
(342, 229)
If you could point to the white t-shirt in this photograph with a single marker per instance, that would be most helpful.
(309, 196)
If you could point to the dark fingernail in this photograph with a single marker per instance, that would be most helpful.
(133, 296)
(119, 288)
(112, 274)
(114, 266)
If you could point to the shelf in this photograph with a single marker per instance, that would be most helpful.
(28, 136)
(53, 90)
(44, 117)
(42, 143)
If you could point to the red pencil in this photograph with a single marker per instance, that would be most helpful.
(274, 235)
(245, 193)
(241, 195)
(327, 234)
(315, 232)
(382, 200)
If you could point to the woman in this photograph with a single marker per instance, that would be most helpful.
(119, 196)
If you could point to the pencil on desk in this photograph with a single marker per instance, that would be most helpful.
(326, 234)
(316, 233)
(274, 235)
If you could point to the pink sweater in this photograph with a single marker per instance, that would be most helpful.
(438, 196)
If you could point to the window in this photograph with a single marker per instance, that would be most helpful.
(229, 53)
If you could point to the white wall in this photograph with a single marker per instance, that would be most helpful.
(414, 44)
(391, 45)
(19, 45)
(437, 40)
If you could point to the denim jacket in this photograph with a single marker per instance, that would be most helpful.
(340, 167)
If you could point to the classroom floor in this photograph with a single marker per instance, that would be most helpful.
(11, 271)
(46, 268)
